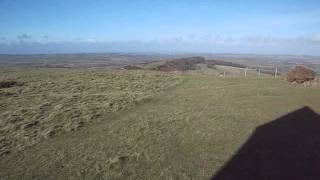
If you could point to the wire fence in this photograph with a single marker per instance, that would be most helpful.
(252, 71)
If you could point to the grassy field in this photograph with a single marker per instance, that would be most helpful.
(188, 129)
(53, 101)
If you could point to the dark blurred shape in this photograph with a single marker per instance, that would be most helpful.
(8, 84)
(132, 67)
(287, 148)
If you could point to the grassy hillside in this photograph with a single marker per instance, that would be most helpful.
(52, 101)
(184, 132)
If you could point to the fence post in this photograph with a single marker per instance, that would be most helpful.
(260, 70)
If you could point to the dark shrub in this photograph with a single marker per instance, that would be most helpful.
(8, 84)
(131, 67)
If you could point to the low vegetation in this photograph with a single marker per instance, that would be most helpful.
(224, 63)
(182, 64)
(193, 63)
(188, 131)
(55, 101)
(300, 75)
(131, 67)
(8, 84)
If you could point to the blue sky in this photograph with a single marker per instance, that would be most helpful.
(252, 26)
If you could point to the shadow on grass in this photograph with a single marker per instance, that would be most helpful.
(287, 148)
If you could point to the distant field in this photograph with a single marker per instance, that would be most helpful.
(187, 131)
(118, 60)
(79, 60)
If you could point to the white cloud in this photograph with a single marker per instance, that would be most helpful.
(315, 38)
(303, 39)
(91, 40)
(206, 42)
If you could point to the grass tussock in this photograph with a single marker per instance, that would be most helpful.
(9, 83)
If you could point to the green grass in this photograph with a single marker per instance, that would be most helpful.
(54, 101)
(187, 131)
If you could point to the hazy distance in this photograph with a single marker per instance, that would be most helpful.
(259, 27)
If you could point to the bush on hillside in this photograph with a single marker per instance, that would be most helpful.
(132, 67)
(8, 84)
(182, 64)
(300, 75)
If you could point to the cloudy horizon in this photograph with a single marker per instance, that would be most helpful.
(284, 27)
